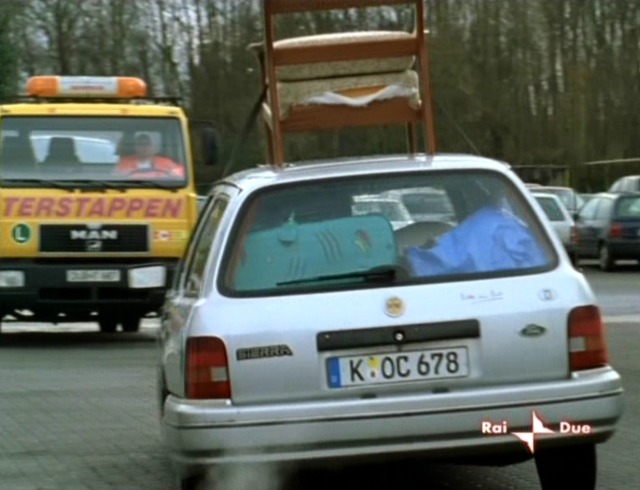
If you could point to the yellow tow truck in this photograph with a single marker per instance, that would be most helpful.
(97, 200)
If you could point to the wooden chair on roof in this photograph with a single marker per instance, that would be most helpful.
(333, 81)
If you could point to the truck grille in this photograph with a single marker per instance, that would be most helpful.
(94, 238)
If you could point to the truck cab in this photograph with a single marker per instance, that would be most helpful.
(97, 201)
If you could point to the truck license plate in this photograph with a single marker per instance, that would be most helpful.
(90, 275)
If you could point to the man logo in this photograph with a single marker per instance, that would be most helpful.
(94, 245)
(93, 234)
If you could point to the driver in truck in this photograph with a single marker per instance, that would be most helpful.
(146, 163)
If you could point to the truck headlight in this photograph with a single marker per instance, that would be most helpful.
(148, 277)
(11, 279)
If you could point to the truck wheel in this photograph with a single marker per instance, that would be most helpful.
(577, 464)
(131, 323)
(108, 323)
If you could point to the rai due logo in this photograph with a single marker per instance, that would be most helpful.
(538, 428)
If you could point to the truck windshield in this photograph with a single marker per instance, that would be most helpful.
(123, 151)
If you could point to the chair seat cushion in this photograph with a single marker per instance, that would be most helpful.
(356, 91)
(342, 68)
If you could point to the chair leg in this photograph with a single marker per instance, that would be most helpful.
(412, 138)
(269, 136)
(278, 142)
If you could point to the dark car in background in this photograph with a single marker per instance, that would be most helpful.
(608, 228)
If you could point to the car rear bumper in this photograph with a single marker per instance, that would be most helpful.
(627, 249)
(449, 425)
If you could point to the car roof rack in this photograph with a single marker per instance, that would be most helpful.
(364, 78)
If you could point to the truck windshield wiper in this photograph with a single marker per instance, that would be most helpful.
(148, 183)
(382, 274)
(66, 185)
(101, 184)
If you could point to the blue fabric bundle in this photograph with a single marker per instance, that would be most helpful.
(488, 240)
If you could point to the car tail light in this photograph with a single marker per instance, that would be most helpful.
(574, 235)
(615, 230)
(587, 339)
(207, 369)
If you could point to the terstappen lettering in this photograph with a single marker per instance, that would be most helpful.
(92, 207)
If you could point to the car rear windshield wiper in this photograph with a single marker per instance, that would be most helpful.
(383, 274)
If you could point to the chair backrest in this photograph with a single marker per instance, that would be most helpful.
(292, 6)
(16, 154)
(356, 50)
(62, 152)
(361, 48)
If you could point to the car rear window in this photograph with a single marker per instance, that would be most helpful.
(567, 196)
(551, 208)
(311, 235)
(628, 208)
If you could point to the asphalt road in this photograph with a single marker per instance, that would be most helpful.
(78, 412)
(618, 292)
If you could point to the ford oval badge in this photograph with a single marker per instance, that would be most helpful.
(533, 330)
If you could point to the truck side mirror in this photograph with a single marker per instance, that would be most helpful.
(210, 146)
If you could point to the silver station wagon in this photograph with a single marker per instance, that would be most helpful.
(299, 331)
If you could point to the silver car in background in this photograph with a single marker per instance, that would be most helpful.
(393, 209)
(426, 204)
(561, 221)
(299, 332)
(569, 197)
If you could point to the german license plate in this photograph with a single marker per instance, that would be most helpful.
(398, 367)
(89, 275)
